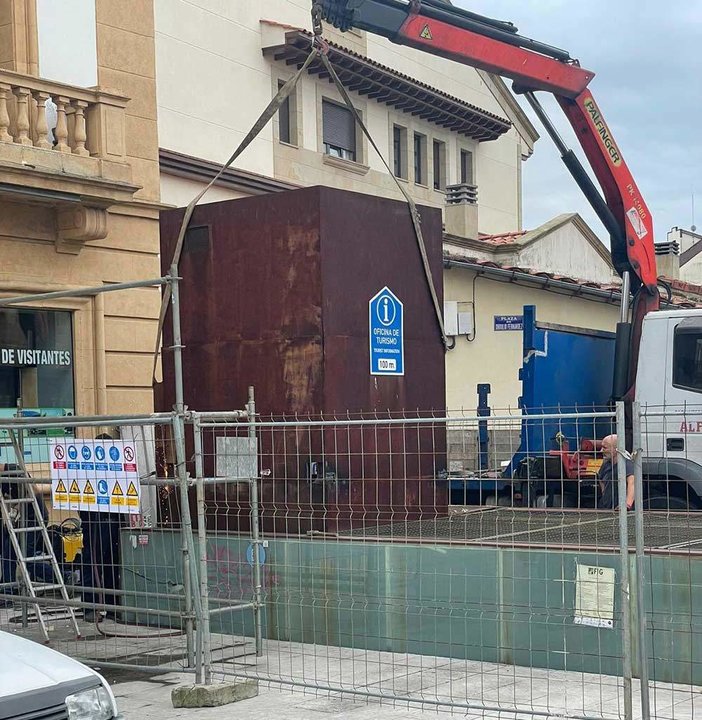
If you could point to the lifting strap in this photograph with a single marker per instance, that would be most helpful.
(319, 49)
(414, 213)
(262, 121)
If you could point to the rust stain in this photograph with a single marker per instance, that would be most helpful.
(275, 294)
(302, 373)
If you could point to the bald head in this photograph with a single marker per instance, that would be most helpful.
(609, 446)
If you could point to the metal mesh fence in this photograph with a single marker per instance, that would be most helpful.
(668, 462)
(77, 570)
(466, 563)
(449, 562)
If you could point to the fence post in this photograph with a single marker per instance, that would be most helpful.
(204, 638)
(190, 580)
(637, 451)
(624, 562)
(255, 539)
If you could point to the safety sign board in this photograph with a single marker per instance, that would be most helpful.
(594, 596)
(95, 476)
(386, 334)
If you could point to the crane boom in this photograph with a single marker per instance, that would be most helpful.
(437, 27)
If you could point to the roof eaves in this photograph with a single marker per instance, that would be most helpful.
(690, 253)
(443, 109)
(551, 282)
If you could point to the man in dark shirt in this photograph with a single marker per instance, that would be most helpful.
(608, 476)
(101, 565)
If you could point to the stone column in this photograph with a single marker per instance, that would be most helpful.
(5, 91)
(22, 95)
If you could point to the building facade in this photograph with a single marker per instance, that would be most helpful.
(679, 256)
(454, 136)
(435, 122)
(561, 267)
(79, 204)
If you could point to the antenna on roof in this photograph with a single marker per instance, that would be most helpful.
(693, 227)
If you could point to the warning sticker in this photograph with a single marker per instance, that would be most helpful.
(117, 495)
(426, 33)
(91, 475)
(132, 495)
(636, 222)
(88, 493)
(60, 493)
(74, 492)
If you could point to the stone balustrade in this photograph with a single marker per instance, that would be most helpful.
(64, 146)
(54, 116)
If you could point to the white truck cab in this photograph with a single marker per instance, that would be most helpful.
(669, 389)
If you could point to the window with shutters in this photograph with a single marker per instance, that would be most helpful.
(466, 169)
(420, 159)
(399, 151)
(439, 158)
(338, 131)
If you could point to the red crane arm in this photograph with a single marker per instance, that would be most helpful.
(621, 193)
(439, 28)
(568, 82)
(527, 68)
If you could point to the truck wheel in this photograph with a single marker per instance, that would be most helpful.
(556, 501)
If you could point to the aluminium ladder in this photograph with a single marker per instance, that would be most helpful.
(28, 499)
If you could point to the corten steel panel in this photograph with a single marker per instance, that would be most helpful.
(250, 304)
(368, 243)
(275, 294)
(281, 279)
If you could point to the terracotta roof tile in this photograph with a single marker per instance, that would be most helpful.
(502, 238)
(683, 286)
(677, 300)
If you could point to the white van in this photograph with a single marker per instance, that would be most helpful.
(42, 684)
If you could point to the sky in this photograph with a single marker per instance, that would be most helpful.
(647, 60)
